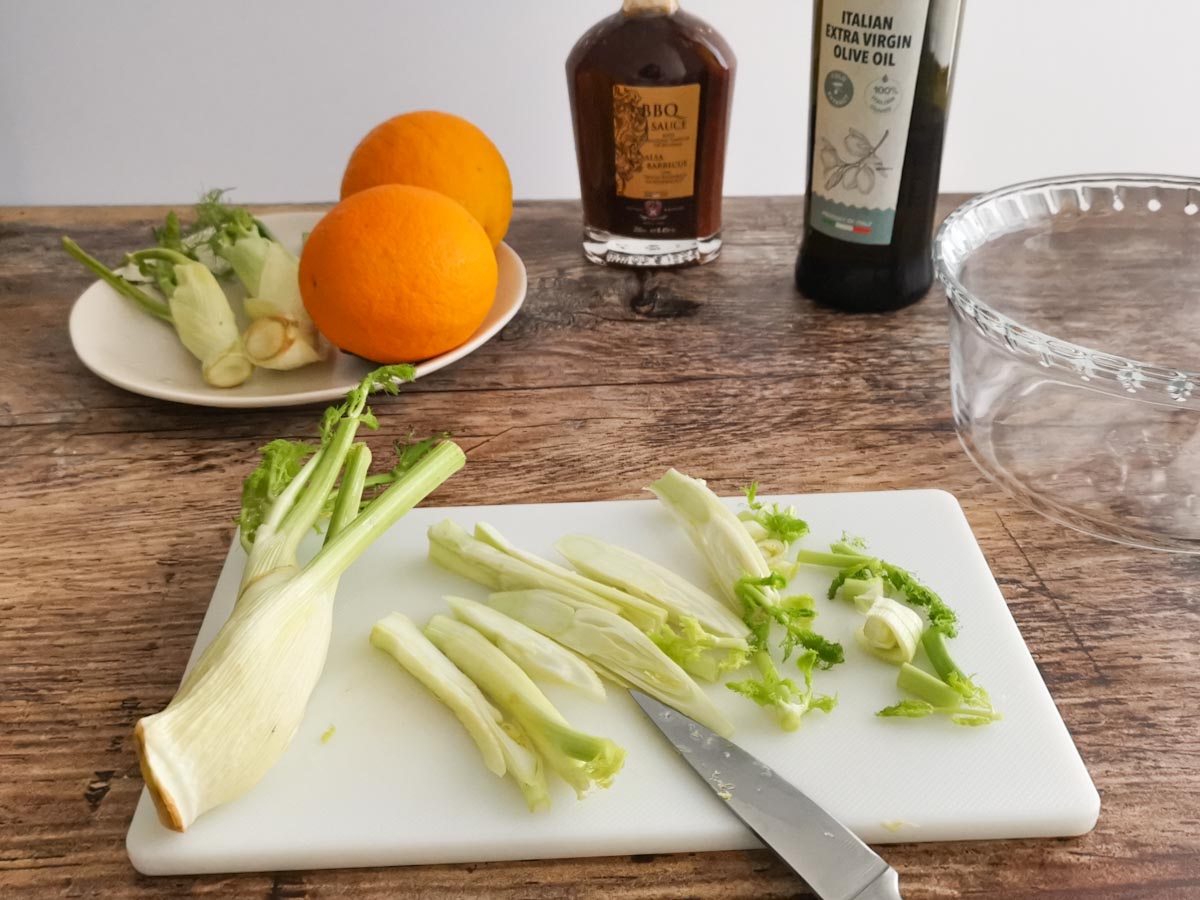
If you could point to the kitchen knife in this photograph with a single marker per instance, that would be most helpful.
(822, 851)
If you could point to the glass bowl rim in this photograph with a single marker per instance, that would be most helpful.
(1087, 364)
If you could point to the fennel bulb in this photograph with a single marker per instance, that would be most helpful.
(237, 710)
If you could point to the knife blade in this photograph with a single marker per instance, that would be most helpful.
(818, 848)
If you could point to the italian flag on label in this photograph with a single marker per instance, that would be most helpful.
(845, 226)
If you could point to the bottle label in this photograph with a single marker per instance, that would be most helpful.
(654, 133)
(866, 77)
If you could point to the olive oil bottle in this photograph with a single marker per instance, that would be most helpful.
(880, 91)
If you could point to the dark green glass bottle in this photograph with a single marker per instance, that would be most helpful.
(879, 97)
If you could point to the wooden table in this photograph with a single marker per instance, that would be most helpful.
(116, 514)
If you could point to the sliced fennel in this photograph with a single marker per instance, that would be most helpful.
(236, 712)
(456, 549)
(614, 645)
(634, 574)
(540, 657)
(581, 760)
(739, 569)
(851, 558)
(723, 541)
(890, 597)
(646, 615)
(950, 692)
(702, 635)
(281, 335)
(891, 630)
(195, 305)
(504, 746)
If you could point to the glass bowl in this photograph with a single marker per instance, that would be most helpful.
(1075, 350)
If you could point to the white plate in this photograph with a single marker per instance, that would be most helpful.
(139, 353)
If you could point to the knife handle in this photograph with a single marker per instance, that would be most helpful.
(885, 887)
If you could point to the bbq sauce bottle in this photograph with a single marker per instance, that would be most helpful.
(650, 91)
(880, 91)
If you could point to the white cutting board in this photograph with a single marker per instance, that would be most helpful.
(400, 782)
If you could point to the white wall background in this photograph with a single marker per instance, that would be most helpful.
(130, 101)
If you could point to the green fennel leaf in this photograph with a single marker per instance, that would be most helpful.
(751, 492)
(780, 524)
(941, 617)
(698, 651)
(281, 462)
(762, 607)
(385, 379)
(829, 653)
(907, 709)
(786, 699)
(973, 721)
(170, 236)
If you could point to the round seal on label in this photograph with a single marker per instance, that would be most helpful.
(839, 89)
(883, 95)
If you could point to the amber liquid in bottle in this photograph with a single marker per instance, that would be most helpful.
(877, 117)
(650, 91)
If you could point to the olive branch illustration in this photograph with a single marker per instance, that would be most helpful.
(860, 170)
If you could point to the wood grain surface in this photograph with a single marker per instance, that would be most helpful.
(115, 515)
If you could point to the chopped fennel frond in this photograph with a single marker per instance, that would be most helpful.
(581, 760)
(540, 657)
(237, 710)
(749, 583)
(786, 700)
(700, 653)
(504, 746)
(892, 599)
(774, 528)
(495, 564)
(850, 557)
(613, 645)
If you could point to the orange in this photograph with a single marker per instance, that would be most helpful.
(441, 152)
(398, 273)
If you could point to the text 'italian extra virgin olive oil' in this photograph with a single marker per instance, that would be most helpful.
(650, 90)
(880, 93)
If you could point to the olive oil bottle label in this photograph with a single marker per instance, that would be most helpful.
(654, 132)
(866, 75)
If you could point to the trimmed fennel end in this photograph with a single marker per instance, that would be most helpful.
(273, 342)
(164, 804)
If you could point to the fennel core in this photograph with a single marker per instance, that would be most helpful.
(237, 710)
